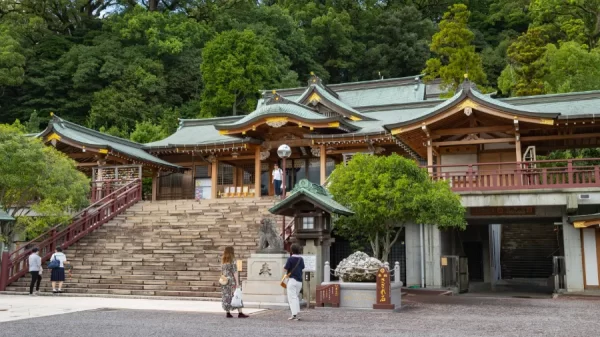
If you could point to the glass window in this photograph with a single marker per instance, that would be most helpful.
(308, 223)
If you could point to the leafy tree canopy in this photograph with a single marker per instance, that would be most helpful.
(35, 179)
(455, 53)
(386, 193)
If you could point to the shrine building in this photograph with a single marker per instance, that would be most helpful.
(532, 223)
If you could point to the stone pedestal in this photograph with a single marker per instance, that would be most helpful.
(264, 277)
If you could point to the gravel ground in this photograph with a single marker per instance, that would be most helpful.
(420, 316)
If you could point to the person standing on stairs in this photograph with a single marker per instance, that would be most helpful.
(229, 271)
(35, 269)
(277, 180)
(293, 267)
(58, 274)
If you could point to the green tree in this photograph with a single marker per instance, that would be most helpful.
(398, 44)
(526, 69)
(146, 132)
(571, 67)
(570, 20)
(236, 66)
(12, 61)
(35, 178)
(386, 193)
(455, 53)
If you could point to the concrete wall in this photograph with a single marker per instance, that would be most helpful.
(573, 258)
(433, 246)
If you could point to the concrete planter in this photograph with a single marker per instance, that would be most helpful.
(363, 295)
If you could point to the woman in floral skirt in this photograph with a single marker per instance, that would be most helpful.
(229, 270)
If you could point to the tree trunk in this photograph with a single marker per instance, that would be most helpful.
(152, 5)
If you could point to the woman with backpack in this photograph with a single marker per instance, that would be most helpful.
(58, 273)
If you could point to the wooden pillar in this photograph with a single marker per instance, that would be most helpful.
(323, 164)
(257, 172)
(518, 147)
(270, 183)
(429, 157)
(155, 174)
(213, 179)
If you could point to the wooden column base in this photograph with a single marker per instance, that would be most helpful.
(384, 306)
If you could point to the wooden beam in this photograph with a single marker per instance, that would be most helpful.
(559, 137)
(464, 131)
(274, 144)
(213, 179)
(474, 141)
(323, 164)
(93, 164)
(257, 173)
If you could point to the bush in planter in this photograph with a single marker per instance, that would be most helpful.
(358, 267)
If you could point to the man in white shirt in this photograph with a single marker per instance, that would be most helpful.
(277, 179)
(35, 269)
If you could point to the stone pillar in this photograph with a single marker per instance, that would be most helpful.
(213, 179)
(433, 271)
(321, 251)
(257, 172)
(413, 254)
(573, 258)
(323, 164)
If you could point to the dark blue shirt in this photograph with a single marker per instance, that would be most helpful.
(291, 263)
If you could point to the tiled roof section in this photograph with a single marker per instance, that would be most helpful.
(281, 107)
(199, 132)
(468, 92)
(5, 217)
(346, 109)
(314, 192)
(361, 95)
(93, 138)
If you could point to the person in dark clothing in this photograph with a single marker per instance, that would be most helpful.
(294, 267)
(35, 269)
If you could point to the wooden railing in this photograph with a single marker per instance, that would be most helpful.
(102, 188)
(15, 265)
(542, 174)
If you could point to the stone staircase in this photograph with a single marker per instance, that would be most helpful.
(164, 248)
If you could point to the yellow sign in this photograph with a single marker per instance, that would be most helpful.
(240, 265)
(444, 261)
(547, 121)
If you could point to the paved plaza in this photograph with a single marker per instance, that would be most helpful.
(420, 316)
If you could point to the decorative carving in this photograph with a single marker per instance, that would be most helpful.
(467, 104)
(264, 155)
(276, 124)
(211, 158)
(270, 241)
(265, 270)
(468, 111)
(315, 151)
(379, 150)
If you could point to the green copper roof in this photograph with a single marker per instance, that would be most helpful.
(316, 194)
(468, 92)
(5, 217)
(331, 99)
(93, 138)
(281, 107)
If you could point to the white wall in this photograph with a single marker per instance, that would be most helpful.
(573, 259)
(457, 159)
(591, 259)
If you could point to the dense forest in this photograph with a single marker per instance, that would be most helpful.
(131, 68)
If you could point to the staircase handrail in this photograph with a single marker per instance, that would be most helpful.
(15, 264)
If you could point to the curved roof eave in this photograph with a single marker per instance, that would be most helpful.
(287, 115)
(466, 92)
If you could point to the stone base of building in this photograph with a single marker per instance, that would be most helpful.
(264, 278)
(357, 295)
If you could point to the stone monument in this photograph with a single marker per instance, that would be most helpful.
(265, 268)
